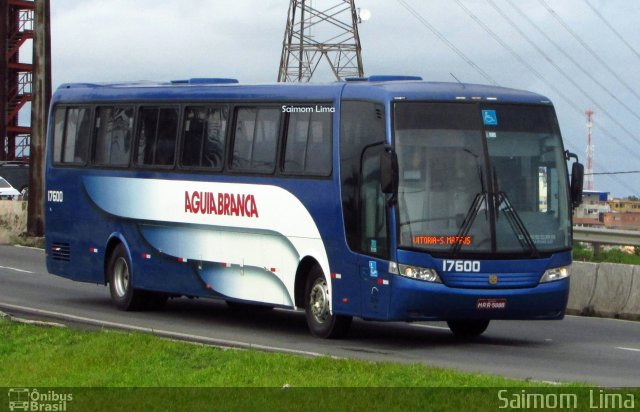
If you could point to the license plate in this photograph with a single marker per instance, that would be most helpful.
(491, 304)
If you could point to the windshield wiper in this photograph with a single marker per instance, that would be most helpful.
(516, 223)
(469, 218)
(471, 215)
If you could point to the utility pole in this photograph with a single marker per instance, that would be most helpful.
(588, 181)
(39, 112)
(321, 30)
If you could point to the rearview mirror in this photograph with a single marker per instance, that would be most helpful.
(577, 178)
(389, 174)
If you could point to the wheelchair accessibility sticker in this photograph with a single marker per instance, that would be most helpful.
(490, 117)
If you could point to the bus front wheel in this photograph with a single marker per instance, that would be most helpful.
(322, 323)
(468, 329)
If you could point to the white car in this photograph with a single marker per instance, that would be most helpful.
(7, 191)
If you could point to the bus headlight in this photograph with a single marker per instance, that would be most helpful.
(551, 275)
(414, 272)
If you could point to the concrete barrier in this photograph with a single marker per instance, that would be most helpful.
(605, 289)
(631, 310)
(613, 287)
(13, 219)
(583, 286)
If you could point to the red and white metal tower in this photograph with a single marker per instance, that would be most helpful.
(16, 75)
(588, 177)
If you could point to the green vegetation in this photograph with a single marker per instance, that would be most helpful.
(57, 357)
(583, 254)
(112, 371)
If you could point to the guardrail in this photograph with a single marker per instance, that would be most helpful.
(598, 237)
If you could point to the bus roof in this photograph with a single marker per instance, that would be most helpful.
(378, 88)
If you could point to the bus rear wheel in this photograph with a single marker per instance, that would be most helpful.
(123, 294)
(468, 329)
(322, 323)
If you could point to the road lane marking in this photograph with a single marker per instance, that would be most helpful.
(430, 326)
(220, 343)
(17, 270)
(30, 247)
(628, 349)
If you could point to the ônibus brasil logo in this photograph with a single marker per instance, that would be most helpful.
(25, 399)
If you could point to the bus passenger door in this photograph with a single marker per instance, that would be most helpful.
(374, 244)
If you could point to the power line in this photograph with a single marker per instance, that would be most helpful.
(571, 59)
(569, 78)
(613, 176)
(536, 73)
(586, 46)
(610, 26)
(613, 173)
(443, 39)
(579, 110)
(566, 76)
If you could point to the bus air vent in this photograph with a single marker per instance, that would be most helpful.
(205, 80)
(393, 78)
(61, 252)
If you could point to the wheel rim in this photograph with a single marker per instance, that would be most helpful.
(121, 277)
(319, 301)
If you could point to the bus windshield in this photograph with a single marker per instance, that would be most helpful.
(481, 179)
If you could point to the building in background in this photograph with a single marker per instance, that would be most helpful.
(599, 209)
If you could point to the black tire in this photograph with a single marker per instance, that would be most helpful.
(123, 294)
(468, 329)
(322, 323)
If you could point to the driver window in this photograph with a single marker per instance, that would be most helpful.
(373, 227)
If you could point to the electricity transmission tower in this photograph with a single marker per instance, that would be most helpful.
(320, 30)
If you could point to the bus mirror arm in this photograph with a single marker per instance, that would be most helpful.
(389, 174)
(577, 179)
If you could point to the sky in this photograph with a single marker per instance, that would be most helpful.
(581, 54)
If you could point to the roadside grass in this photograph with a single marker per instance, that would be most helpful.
(62, 357)
(107, 370)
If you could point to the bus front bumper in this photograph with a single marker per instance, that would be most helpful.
(415, 300)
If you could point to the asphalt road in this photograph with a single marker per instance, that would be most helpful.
(600, 351)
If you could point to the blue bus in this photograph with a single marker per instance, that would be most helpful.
(385, 198)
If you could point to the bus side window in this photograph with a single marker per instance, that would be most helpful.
(204, 132)
(193, 135)
(113, 131)
(157, 136)
(72, 134)
(296, 146)
(308, 145)
(166, 139)
(255, 140)
(319, 145)
(58, 134)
